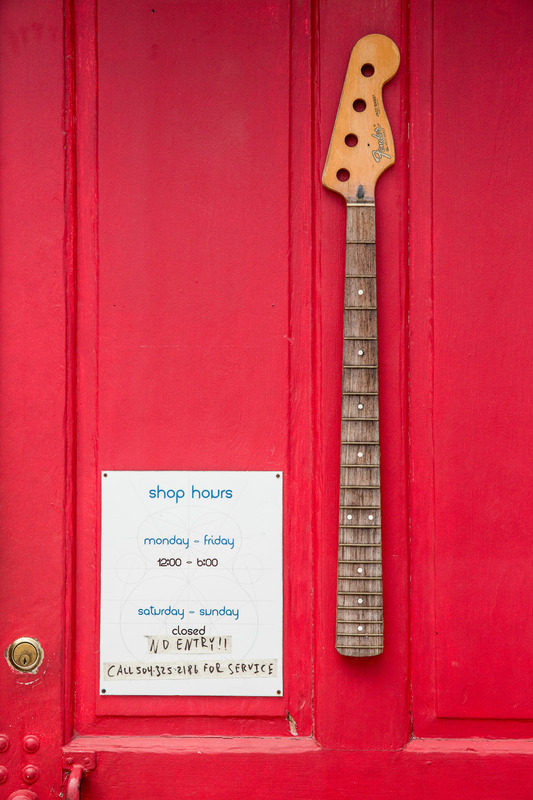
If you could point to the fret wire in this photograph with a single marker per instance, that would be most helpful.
(372, 529)
(359, 526)
(358, 578)
(359, 544)
(358, 466)
(363, 466)
(364, 203)
(367, 394)
(354, 466)
(371, 441)
(360, 487)
(359, 419)
(360, 241)
(360, 308)
(362, 338)
(361, 622)
(361, 276)
(378, 561)
(355, 488)
(364, 633)
(359, 508)
(358, 647)
(359, 366)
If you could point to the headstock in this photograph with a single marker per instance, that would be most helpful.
(361, 146)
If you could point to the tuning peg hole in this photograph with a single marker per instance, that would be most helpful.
(343, 175)
(367, 70)
(359, 105)
(350, 140)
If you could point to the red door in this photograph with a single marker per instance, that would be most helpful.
(171, 289)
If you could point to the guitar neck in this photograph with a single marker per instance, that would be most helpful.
(361, 148)
(359, 583)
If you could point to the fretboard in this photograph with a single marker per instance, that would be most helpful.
(359, 582)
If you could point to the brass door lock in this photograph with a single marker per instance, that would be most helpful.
(25, 654)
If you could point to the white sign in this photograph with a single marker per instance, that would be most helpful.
(191, 586)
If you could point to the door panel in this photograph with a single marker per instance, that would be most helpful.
(191, 293)
(33, 490)
(472, 534)
(483, 324)
(377, 687)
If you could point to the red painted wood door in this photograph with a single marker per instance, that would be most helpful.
(171, 279)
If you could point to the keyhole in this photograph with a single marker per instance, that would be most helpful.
(25, 654)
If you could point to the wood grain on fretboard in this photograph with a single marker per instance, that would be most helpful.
(359, 581)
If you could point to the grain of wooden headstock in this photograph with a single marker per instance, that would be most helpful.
(361, 145)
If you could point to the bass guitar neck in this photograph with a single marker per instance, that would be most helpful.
(361, 149)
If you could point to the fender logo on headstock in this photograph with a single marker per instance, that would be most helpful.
(354, 161)
(381, 136)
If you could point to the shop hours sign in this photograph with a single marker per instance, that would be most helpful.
(191, 583)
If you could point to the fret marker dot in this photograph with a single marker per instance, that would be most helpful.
(349, 516)
(360, 405)
(360, 352)
(359, 627)
(370, 516)
(359, 569)
(360, 291)
(359, 455)
(359, 599)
